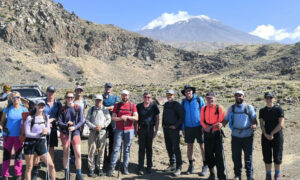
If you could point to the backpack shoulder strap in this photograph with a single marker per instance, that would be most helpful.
(32, 121)
(76, 107)
(217, 109)
(246, 109)
(182, 102)
(198, 100)
(118, 107)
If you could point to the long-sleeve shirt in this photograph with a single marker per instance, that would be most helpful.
(98, 116)
(173, 114)
(71, 114)
(36, 130)
(211, 118)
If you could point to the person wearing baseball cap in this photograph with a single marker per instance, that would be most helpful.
(271, 119)
(125, 115)
(212, 116)
(241, 118)
(191, 128)
(79, 99)
(97, 119)
(109, 101)
(173, 117)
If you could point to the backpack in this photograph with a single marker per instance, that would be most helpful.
(245, 112)
(216, 113)
(198, 100)
(24, 118)
(86, 129)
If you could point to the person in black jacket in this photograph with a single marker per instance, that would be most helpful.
(173, 117)
(147, 130)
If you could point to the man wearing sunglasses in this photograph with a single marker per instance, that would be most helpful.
(147, 130)
(173, 117)
(242, 121)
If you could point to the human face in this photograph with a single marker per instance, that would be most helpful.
(147, 98)
(210, 100)
(40, 108)
(170, 97)
(189, 93)
(98, 102)
(108, 90)
(79, 92)
(69, 98)
(239, 98)
(125, 97)
(16, 99)
(270, 101)
(50, 94)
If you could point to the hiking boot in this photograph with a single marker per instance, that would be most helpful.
(140, 172)
(190, 169)
(211, 176)
(125, 171)
(177, 172)
(34, 173)
(268, 177)
(237, 178)
(149, 170)
(100, 172)
(170, 168)
(277, 177)
(91, 173)
(79, 177)
(111, 173)
(204, 171)
(250, 178)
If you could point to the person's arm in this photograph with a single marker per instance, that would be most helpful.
(27, 128)
(253, 117)
(48, 125)
(88, 119)
(156, 121)
(262, 126)
(181, 115)
(115, 117)
(3, 119)
(202, 118)
(107, 118)
(135, 117)
(278, 127)
(62, 124)
(221, 118)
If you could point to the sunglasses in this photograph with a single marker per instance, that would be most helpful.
(16, 97)
(41, 105)
(147, 97)
(69, 97)
(168, 94)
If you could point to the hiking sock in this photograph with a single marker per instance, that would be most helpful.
(78, 171)
(277, 173)
(269, 172)
(191, 162)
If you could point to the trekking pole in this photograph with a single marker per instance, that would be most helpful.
(223, 153)
(48, 147)
(68, 162)
(122, 146)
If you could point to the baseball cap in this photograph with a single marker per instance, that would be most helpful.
(51, 89)
(98, 96)
(79, 87)
(125, 92)
(38, 102)
(239, 92)
(108, 85)
(269, 95)
(170, 91)
(210, 94)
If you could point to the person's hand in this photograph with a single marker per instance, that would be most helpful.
(268, 137)
(183, 133)
(253, 126)
(124, 118)
(219, 126)
(154, 134)
(172, 127)
(1, 128)
(207, 129)
(51, 125)
(72, 128)
(70, 123)
(51, 120)
(45, 131)
(98, 128)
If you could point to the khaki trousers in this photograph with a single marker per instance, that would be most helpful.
(96, 143)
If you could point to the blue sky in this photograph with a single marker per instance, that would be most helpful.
(270, 19)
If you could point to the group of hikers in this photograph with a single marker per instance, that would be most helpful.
(119, 120)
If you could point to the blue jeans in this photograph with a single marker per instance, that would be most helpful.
(118, 136)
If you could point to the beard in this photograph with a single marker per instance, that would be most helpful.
(124, 99)
(239, 101)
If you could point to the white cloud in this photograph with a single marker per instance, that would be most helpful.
(170, 18)
(269, 32)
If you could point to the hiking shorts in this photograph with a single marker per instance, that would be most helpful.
(32, 146)
(192, 133)
(65, 139)
(272, 148)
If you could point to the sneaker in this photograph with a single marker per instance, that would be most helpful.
(277, 177)
(211, 176)
(125, 171)
(170, 168)
(111, 173)
(79, 177)
(268, 177)
(190, 169)
(204, 171)
(237, 178)
(140, 172)
(100, 172)
(91, 173)
(177, 172)
(149, 170)
(34, 173)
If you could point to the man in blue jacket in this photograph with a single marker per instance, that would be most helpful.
(191, 127)
(242, 121)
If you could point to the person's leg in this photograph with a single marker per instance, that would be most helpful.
(209, 152)
(91, 150)
(236, 148)
(267, 155)
(111, 142)
(29, 165)
(277, 153)
(18, 156)
(175, 138)
(76, 143)
(149, 142)
(190, 152)
(247, 146)
(50, 165)
(116, 148)
(169, 147)
(101, 143)
(142, 145)
(65, 145)
(7, 144)
(128, 136)
(218, 150)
